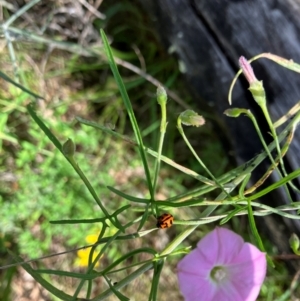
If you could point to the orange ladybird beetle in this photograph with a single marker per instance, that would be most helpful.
(165, 221)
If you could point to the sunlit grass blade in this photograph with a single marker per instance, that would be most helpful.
(272, 167)
(283, 181)
(289, 64)
(294, 110)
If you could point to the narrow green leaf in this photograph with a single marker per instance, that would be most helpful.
(158, 266)
(8, 79)
(127, 256)
(232, 214)
(44, 128)
(129, 109)
(90, 276)
(286, 179)
(49, 287)
(71, 160)
(78, 221)
(118, 294)
(127, 197)
(144, 217)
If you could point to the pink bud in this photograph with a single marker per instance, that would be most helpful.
(247, 70)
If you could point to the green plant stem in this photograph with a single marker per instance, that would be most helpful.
(274, 134)
(158, 266)
(143, 269)
(253, 119)
(89, 187)
(252, 223)
(179, 126)
(163, 126)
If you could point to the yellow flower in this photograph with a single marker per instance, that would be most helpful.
(92, 238)
(83, 255)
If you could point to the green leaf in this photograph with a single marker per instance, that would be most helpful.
(8, 79)
(232, 214)
(127, 197)
(129, 109)
(44, 128)
(49, 287)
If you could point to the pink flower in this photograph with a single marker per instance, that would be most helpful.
(222, 268)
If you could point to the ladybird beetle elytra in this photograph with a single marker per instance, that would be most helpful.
(165, 221)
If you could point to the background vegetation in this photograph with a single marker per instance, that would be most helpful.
(54, 49)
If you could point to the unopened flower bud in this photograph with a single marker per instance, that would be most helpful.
(68, 148)
(256, 87)
(161, 95)
(247, 70)
(294, 242)
(234, 112)
(191, 118)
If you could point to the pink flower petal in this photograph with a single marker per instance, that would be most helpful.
(222, 267)
(221, 244)
(189, 264)
(195, 288)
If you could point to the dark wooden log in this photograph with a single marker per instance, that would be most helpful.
(208, 37)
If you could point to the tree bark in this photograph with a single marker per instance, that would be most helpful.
(208, 37)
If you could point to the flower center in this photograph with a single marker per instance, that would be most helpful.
(218, 274)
